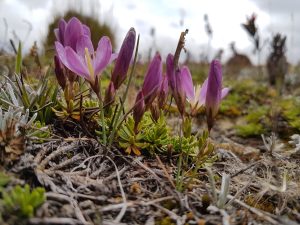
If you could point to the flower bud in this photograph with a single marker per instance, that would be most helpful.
(152, 80)
(124, 58)
(214, 92)
(59, 72)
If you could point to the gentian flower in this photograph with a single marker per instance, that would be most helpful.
(85, 61)
(212, 92)
(152, 80)
(176, 82)
(69, 32)
(192, 93)
(124, 58)
(149, 91)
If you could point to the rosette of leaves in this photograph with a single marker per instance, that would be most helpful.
(157, 135)
(76, 108)
(187, 145)
(72, 109)
(13, 125)
(19, 94)
(40, 132)
(153, 136)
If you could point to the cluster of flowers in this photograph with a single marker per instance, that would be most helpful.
(75, 55)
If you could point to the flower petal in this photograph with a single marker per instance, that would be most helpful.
(124, 58)
(76, 64)
(113, 57)
(224, 92)
(214, 91)
(103, 55)
(214, 87)
(179, 94)
(187, 83)
(153, 79)
(203, 91)
(73, 31)
(171, 72)
(61, 53)
(163, 92)
(84, 42)
(86, 30)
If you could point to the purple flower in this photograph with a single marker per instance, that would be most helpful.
(177, 83)
(85, 61)
(163, 92)
(124, 58)
(152, 80)
(192, 94)
(187, 82)
(149, 91)
(59, 72)
(69, 32)
(213, 92)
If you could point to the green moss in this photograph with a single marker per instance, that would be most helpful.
(232, 104)
(250, 129)
(257, 114)
(290, 110)
(256, 122)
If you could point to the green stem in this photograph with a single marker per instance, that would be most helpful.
(102, 114)
(115, 125)
(179, 178)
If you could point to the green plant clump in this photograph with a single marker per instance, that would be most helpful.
(22, 201)
(291, 112)
(256, 122)
(152, 136)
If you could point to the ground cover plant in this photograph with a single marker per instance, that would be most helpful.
(88, 141)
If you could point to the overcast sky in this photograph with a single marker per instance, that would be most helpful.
(28, 20)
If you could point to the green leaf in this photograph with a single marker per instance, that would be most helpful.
(18, 66)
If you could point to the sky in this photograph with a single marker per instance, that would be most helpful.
(28, 20)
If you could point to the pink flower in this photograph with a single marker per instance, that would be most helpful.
(85, 61)
(178, 83)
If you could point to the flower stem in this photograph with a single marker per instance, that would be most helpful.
(104, 139)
